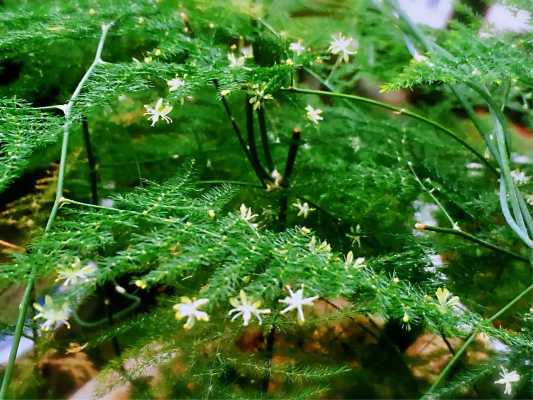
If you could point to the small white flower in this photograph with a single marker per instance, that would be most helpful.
(245, 307)
(159, 110)
(277, 181)
(529, 199)
(54, 314)
(519, 177)
(321, 247)
(246, 213)
(259, 96)
(75, 273)
(349, 261)
(303, 208)
(296, 47)
(189, 309)
(445, 299)
(355, 143)
(234, 61)
(296, 301)
(342, 46)
(507, 379)
(175, 84)
(313, 114)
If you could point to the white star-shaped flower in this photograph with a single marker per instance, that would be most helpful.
(529, 199)
(245, 307)
(349, 261)
(189, 309)
(303, 208)
(175, 84)
(313, 114)
(259, 96)
(246, 213)
(76, 273)
(342, 46)
(446, 299)
(54, 315)
(519, 177)
(234, 61)
(296, 301)
(159, 110)
(297, 47)
(319, 247)
(507, 379)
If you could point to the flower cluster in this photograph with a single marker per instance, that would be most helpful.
(244, 307)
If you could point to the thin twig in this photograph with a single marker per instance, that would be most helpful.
(285, 181)
(237, 131)
(251, 140)
(91, 160)
(264, 138)
(454, 224)
(472, 238)
(12, 246)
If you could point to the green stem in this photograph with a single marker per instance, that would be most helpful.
(23, 308)
(435, 199)
(471, 337)
(401, 111)
(472, 238)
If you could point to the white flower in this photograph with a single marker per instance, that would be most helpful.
(189, 309)
(76, 273)
(245, 307)
(277, 181)
(54, 314)
(303, 208)
(259, 96)
(246, 213)
(342, 46)
(507, 378)
(313, 114)
(175, 84)
(445, 299)
(296, 301)
(321, 247)
(235, 62)
(529, 199)
(296, 47)
(349, 261)
(159, 110)
(519, 177)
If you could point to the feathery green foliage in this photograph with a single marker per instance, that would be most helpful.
(198, 195)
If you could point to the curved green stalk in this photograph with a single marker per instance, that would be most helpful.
(472, 238)
(23, 308)
(401, 111)
(471, 337)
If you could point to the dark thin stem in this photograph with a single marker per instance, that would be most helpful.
(237, 131)
(285, 182)
(291, 157)
(269, 354)
(252, 147)
(472, 238)
(93, 180)
(264, 138)
(91, 160)
(400, 111)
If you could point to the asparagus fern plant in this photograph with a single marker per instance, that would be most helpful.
(265, 199)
